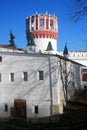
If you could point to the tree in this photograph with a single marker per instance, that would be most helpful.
(79, 9)
(30, 40)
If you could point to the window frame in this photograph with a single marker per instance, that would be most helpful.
(84, 77)
(12, 77)
(25, 76)
(41, 22)
(51, 23)
(0, 58)
(41, 75)
(36, 109)
(6, 107)
(0, 77)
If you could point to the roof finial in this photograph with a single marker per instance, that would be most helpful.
(65, 52)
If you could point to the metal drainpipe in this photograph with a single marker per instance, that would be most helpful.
(50, 83)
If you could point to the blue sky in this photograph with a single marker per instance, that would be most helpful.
(13, 14)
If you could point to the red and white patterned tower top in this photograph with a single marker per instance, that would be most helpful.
(44, 29)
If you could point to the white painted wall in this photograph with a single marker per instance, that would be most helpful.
(77, 56)
(81, 60)
(34, 91)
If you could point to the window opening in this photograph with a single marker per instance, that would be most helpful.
(0, 77)
(25, 76)
(41, 75)
(84, 77)
(6, 107)
(0, 58)
(36, 110)
(41, 22)
(12, 77)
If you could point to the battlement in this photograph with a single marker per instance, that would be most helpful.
(78, 54)
(75, 53)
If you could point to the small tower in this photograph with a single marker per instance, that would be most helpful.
(65, 52)
(43, 28)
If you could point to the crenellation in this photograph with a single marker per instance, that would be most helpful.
(78, 54)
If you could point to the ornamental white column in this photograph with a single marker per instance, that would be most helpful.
(45, 22)
(49, 23)
(34, 22)
(56, 25)
(38, 22)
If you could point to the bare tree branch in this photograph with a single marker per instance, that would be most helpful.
(79, 10)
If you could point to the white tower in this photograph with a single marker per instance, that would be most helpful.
(41, 29)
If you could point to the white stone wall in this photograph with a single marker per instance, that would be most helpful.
(8, 49)
(69, 79)
(42, 43)
(77, 56)
(35, 91)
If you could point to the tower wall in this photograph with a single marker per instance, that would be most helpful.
(44, 29)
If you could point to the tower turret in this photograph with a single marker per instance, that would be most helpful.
(44, 29)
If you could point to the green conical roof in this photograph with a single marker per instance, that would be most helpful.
(49, 47)
(65, 52)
